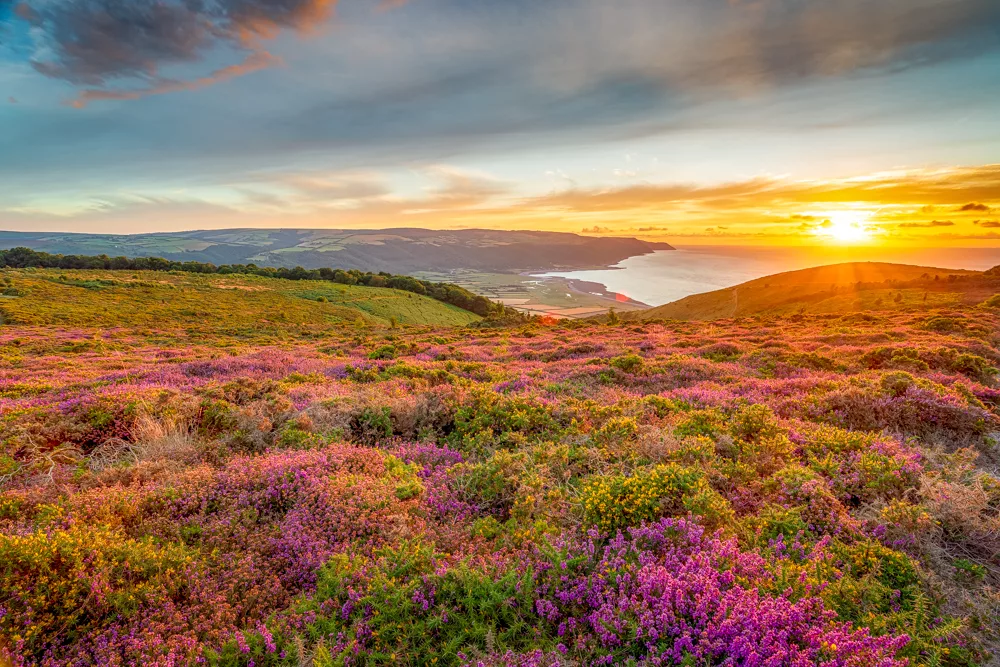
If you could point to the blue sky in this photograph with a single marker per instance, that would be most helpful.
(149, 116)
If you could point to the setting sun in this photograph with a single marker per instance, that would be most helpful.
(846, 227)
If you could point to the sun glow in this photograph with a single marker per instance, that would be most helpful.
(846, 227)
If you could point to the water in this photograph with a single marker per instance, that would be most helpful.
(668, 275)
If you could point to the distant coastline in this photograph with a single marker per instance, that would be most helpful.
(660, 277)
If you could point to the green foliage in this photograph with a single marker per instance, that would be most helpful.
(404, 610)
(629, 363)
(897, 383)
(405, 476)
(708, 423)
(617, 431)
(969, 572)
(383, 352)
(490, 421)
(372, 425)
(943, 324)
(992, 302)
(493, 484)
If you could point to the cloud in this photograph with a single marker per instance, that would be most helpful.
(255, 61)
(974, 207)
(573, 49)
(462, 187)
(100, 42)
(992, 236)
(988, 224)
(926, 225)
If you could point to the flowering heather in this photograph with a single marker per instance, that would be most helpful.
(805, 490)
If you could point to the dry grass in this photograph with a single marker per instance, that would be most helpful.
(152, 440)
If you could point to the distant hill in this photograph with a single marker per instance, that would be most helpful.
(392, 250)
(241, 305)
(836, 288)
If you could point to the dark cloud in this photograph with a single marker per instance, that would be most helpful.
(988, 224)
(575, 44)
(975, 207)
(94, 42)
(927, 225)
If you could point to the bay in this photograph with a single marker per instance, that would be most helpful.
(668, 275)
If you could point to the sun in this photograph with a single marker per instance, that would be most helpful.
(846, 227)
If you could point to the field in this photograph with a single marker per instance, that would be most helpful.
(401, 251)
(231, 304)
(225, 471)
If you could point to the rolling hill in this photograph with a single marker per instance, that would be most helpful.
(836, 288)
(393, 250)
(232, 304)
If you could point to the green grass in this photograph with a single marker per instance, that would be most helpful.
(231, 303)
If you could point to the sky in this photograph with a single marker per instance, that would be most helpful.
(780, 122)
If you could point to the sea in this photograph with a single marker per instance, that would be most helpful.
(667, 275)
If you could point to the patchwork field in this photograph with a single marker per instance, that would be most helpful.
(222, 471)
(557, 298)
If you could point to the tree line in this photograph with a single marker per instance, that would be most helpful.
(21, 258)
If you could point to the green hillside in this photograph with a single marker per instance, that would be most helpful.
(837, 288)
(223, 303)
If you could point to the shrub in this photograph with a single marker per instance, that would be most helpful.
(492, 421)
(616, 502)
(629, 363)
(372, 425)
(383, 352)
(68, 583)
(707, 423)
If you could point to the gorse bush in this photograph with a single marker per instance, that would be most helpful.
(613, 502)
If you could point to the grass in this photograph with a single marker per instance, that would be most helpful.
(234, 304)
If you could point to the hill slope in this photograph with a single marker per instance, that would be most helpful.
(393, 250)
(522, 496)
(836, 288)
(229, 303)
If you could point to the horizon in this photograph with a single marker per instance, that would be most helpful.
(729, 123)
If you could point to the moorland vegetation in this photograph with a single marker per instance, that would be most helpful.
(351, 487)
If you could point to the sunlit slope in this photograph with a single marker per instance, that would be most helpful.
(230, 303)
(835, 288)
